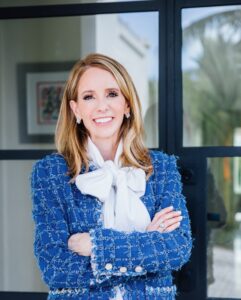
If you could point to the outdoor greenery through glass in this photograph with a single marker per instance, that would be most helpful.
(211, 66)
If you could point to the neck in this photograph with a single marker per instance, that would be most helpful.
(107, 148)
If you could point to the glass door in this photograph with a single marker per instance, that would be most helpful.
(208, 108)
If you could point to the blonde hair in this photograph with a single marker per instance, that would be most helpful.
(71, 138)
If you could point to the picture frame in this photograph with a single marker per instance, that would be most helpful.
(40, 90)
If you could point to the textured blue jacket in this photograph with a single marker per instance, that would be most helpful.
(60, 210)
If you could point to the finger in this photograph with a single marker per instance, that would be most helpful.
(167, 215)
(171, 215)
(172, 221)
(164, 224)
(164, 218)
(172, 227)
(73, 241)
(169, 228)
(161, 213)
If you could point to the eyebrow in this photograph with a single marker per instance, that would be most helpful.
(87, 91)
(108, 89)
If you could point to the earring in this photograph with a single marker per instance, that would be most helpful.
(78, 120)
(128, 115)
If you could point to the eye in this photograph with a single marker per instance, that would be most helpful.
(88, 97)
(113, 94)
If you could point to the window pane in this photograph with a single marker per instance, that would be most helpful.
(37, 54)
(18, 269)
(211, 63)
(224, 227)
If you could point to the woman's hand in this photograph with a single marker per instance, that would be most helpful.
(165, 220)
(80, 243)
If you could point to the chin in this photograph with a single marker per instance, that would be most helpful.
(105, 135)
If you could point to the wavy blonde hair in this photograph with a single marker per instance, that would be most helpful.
(71, 138)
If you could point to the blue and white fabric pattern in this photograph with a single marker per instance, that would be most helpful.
(139, 263)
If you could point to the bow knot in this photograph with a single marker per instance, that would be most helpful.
(120, 190)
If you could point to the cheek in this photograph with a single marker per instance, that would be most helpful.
(84, 111)
(121, 107)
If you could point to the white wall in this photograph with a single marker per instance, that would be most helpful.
(88, 35)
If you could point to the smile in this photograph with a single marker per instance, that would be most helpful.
(103, 120)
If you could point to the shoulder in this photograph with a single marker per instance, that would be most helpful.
(162, 161)
(49, 166)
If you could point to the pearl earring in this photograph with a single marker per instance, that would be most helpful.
(78, 120)
(128, 115)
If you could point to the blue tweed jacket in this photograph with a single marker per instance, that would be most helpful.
(60, 210)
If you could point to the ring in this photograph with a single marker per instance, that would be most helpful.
(162, 226)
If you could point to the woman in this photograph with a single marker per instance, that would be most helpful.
(111, 222)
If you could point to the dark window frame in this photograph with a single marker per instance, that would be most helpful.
(175, 145)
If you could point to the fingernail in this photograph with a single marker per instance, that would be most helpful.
(171, 207)
(181, 217)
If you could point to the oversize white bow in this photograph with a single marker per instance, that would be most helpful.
(119, 189)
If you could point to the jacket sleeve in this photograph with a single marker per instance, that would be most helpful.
(136, 253)
(60, 268)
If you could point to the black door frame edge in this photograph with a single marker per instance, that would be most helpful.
(82, 9)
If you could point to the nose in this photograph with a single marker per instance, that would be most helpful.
(102, 104)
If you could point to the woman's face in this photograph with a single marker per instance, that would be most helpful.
(100, 105)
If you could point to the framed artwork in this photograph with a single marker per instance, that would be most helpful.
(40, 90)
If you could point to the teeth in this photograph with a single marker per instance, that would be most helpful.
(103, 120)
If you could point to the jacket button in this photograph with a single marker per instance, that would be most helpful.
(138, 269)
(123, 269)
(108, 266)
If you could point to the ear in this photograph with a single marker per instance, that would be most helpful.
(127, 108)
(74, 107)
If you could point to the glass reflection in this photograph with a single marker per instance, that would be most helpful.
(211, 75)
(224, 228)
(43, 49)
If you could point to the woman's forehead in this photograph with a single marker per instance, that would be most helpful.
(95, 77)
